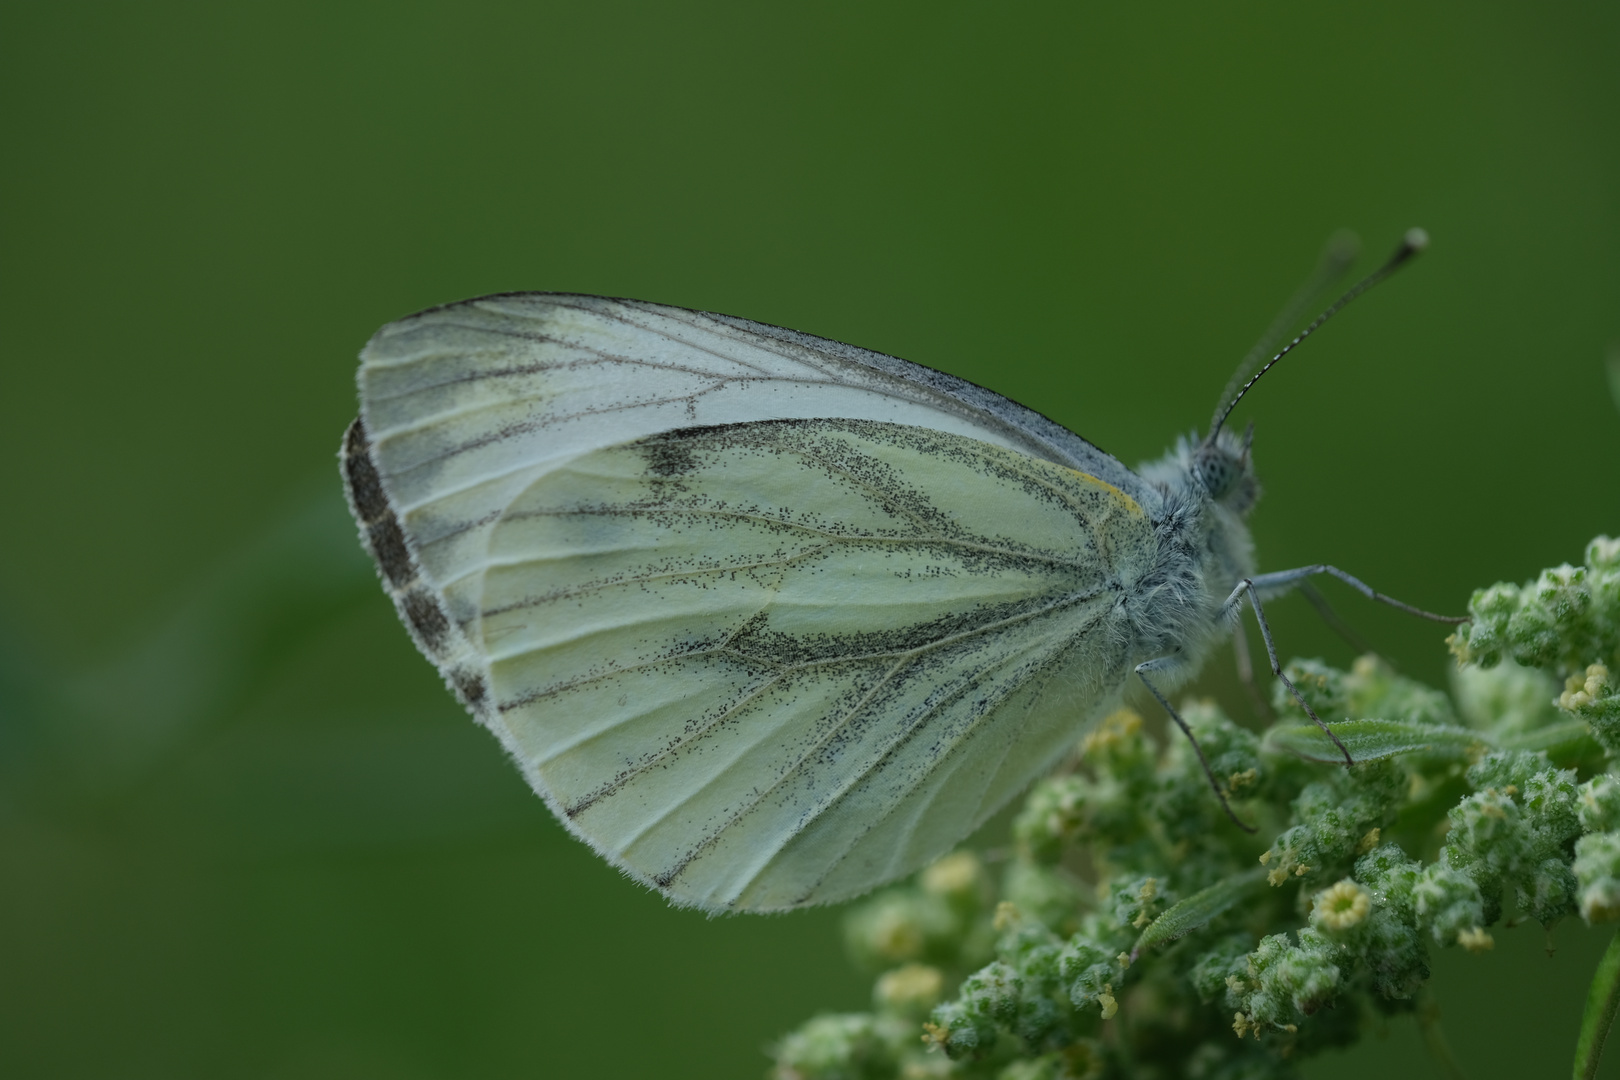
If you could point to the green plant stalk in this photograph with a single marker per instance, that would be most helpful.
(1434, 1040)
(1601, 1001)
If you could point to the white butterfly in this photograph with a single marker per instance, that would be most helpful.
(769, 620)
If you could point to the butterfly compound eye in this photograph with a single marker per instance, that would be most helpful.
(1225, 469)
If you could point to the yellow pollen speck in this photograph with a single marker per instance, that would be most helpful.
(1477, 939)
(935, 1034)
(1342, 905)
(1583, 689)
(1240, 780)
(1234, 984)
(1301, 870)
(1240, 1024)
(1114, 730)
(1144, 896)
(1106, 1000)
(1007, 913)
(914, 986)
(1492, 810)
(1368, 842)
(898, 938)
(1123, 959)
(955, 873)
(1277, 876)
(1265, 857)
(1292, 1029)
(1511, 789)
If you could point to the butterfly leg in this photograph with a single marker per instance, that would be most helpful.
(1250, 586)
(1245, 671)
(1334, 623)
(1168, 662)
(1285, 579)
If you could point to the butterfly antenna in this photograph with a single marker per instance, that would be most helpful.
(1341, 250)
(1413, 242)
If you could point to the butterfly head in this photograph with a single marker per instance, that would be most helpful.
(1225, 468)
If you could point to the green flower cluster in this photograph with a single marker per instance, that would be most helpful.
(1130, 931)
(1567, 620)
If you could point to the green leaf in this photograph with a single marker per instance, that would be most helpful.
(1369, 740)
(1601, 999)
(1196, 910)
(1570, 737)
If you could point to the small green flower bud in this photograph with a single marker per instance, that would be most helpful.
(1118, 745)
(960, 880)
(1594, 696)
(960, 1031)
(1551, 892)
(1391, 877)
(1290, 980)
(1045, 1067)
(1376, 690)
(1090, 970)
(911, 990)
(1482, 640)
(838, 1047)
(1046, 894)
(1507, 699)
(1447, 902)
(1393, 951)
(1137, 901)
(1597, 875)
(1552, 803)
(1326, 688)
(1599, 807)
(1053, 817)
(1565, 619)
(1506, 769)
(899, 926)
(1214, 973)
(992, 992)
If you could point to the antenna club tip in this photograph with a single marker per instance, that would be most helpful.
(1416, 239)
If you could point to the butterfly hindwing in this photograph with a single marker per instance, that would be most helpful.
(743, 661)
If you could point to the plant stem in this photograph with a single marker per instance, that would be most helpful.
(1601, 1000)
(1434, 1040)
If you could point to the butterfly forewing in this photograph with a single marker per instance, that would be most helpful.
(465, 404)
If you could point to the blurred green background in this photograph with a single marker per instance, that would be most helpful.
(243, 830)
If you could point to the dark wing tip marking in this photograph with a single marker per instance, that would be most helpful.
(418, 606)
(422, 611)
(388, 546)
(365, 486)
(471, 686)
(386, 538)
